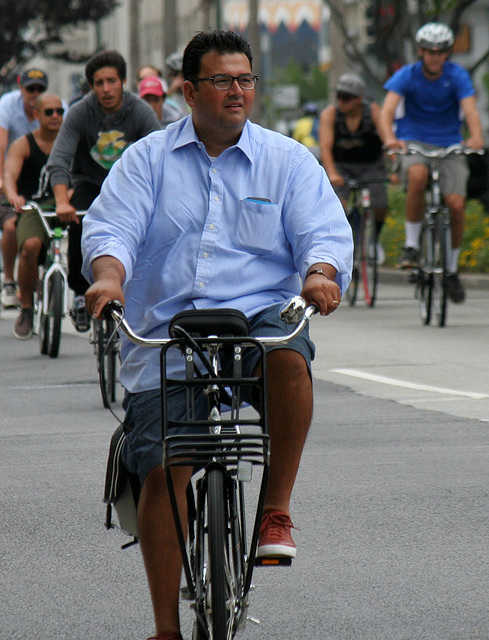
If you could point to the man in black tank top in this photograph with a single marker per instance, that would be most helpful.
(351, 145)
(25, 161)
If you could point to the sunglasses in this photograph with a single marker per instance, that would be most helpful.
(50, 112)
(35, 88)
(345, 97)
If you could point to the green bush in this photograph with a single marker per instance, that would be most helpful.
(474, 256)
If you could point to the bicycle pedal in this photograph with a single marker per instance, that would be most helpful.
(413, 276)
(282, 561)
(185, 593)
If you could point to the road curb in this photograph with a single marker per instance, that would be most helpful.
(399, 276)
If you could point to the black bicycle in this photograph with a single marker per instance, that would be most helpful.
(218, 553)
(106, 344)
(362, 220)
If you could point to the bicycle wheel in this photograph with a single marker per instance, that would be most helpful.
(221, 606)
(355, 222)
(39, 317)
(440, 271)
(425, 274)
(50, 330)
(107, 351)
(369, 257)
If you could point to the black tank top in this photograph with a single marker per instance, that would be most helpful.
(363, 146)
(28, 182)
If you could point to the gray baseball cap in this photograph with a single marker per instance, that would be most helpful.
(350, 83)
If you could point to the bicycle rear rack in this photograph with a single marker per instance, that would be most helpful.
(227, 449)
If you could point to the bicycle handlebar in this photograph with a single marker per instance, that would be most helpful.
(31, 204)
(295, 310)
(49, 219)
(362, 184)
(440, 152)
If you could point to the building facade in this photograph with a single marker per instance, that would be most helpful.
(146, 31)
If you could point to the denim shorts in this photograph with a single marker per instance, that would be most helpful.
(142, 451)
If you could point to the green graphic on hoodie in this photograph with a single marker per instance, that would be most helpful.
(108, 148)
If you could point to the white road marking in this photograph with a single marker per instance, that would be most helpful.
(44, 387)
(394, 382)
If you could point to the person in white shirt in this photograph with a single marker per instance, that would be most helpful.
(17, 118)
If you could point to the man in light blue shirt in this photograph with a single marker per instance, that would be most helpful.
(214, 212)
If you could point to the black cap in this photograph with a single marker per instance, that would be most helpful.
(33, 76)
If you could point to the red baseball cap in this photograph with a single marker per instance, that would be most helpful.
(152, 86)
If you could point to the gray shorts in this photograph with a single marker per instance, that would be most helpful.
(6, 212)
(142, 424)
(454, 170)
(365, 172)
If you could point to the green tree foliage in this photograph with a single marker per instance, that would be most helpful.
(29, 27)
(391, 29)
(312, 83)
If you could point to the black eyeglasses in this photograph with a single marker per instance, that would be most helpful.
(50, 112)
(223, 82)
(35, 88)
(345, 97)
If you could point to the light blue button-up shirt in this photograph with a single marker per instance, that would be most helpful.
(237, 231)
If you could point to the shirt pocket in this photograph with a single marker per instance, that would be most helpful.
(259, 227)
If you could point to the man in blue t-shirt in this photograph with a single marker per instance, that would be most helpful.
(425, 100)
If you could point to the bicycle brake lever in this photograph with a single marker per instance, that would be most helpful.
(114, 305)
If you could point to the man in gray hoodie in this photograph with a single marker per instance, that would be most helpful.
(95, 133)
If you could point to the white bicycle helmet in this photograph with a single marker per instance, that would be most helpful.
(435, 36)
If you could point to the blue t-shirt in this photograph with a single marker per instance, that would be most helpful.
(430, 109)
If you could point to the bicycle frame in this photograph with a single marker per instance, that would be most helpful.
(362, 221)
(436, 213)
(51, 295)
(52, 265)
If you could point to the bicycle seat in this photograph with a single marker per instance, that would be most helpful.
(210, 322)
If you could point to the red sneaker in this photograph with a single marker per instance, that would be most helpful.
(275, 538)
(167, 635)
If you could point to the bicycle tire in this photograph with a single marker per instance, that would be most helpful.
(440, 272)
(369, 257)
(107, 357)
(51, 322)
(39, 318)
(425, 274)
(219, 612)
(355, 222)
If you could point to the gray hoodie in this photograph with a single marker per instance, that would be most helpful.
(90, 140)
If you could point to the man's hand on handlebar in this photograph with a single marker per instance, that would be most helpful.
(67, 213)
(100, 294)
(322, 292)
(474, 142)
(337, 180)
(393, 144)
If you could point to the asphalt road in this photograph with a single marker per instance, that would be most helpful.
(391, 500)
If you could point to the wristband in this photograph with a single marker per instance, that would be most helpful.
(320, 271)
